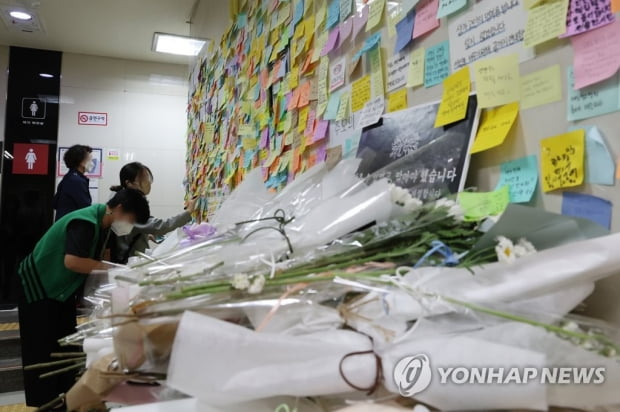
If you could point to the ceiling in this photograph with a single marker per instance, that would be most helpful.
(112, 28)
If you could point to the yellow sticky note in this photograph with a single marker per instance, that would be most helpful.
(284, 13)
(360, 93)
(545, 22)
(247, 130)
(397, 100)
(561, 160)
(343, 107)
(209, 132)
(480, 205)
(303, 119)
(310, 25)
(376, 72)
(294, 77)
(494, 127)
(323, 91)
(453, 106)
(321, 14)
(497, 80)
(415, 74)
(374, 14)
(299, 31)
(541, 87)
(249, 143)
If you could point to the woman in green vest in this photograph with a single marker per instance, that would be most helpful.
(52, 274)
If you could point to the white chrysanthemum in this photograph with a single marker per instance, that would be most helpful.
(527, 245)
(454, 208)
(257, 285)
(403, 198)
(240, 281)
(505, 250)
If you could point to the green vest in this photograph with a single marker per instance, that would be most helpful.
(43, 273)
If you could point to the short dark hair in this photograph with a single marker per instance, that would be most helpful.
(76, 155)
(129, 173)
(132, 201)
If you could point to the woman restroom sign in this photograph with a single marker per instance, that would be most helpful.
(30, 159)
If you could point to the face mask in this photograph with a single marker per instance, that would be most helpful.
(90, 165)
(121, 228)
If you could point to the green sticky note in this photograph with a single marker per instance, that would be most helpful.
(447, 7)
(521, 176)
(479, 205)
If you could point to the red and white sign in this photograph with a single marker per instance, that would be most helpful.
(30, 159)
(92, 119)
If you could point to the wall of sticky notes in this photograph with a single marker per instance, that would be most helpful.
(292, 82)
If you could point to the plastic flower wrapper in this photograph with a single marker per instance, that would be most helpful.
(222, 363)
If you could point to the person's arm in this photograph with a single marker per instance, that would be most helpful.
(159, 227)
(80, 238)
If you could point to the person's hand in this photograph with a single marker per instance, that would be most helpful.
(190, 205)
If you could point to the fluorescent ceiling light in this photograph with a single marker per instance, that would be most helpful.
(46, 75)
(20, 15)
(174, 44)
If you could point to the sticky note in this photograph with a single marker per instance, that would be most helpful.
(425, 17)
(323, 92)
(447, 7)
(332, 39)
(415, 73)
(319, 46)
(375, 14)
(320, 130)
(344, 106)
(376, 72)
(588, 207)
(360, 93)
(586, 15)
(531, 3)
(545, 22)
(494, 127)
(331, 111)
(562, 160)
(436, 64)
(359, 21)
(407, 5)
(321, 14)
(591, 101)
(337, 73)
(600, 165)
(521, 177)
(404, 31)
(346, 8)
(397, 100)
(303, 119)
(369, 43)
(479, 205)
(346, 28)
(615, 6)
(453, 106)
(310, 122)
(333, 13)
(596, 55)
(497, 80)
(541, 87)
(397, 68)
(304, 94)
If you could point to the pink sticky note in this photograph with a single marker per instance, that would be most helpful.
(264, 138)
(359, 21)
(310, 124)
(321, 153)
(425, 17)
(586, 15)
(345, 30)
(596, 55)
(321, 130)
(331, 41)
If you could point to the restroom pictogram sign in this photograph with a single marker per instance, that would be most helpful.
(30, 159)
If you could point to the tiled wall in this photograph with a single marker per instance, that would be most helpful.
(146, 106)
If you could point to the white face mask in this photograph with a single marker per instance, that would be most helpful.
(90, 165)
(121, 228)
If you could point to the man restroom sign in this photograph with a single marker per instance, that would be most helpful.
(33, 108)
(30, 159)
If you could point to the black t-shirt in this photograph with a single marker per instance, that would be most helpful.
(80, 239)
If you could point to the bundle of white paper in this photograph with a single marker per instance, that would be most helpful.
(221, 363)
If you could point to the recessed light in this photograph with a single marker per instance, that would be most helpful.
(174, 44)
(20, 15)
(46, 75)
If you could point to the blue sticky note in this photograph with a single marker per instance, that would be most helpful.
(331, 112)
(369, 43)
(351, 144)
(588, 207)
(447, 7)
(242, 20)
(600, 165)
(521, 176)
(299, 12)
(591, 101)
(249, 156)
(404, 31)
(333, 13)
(437, 64)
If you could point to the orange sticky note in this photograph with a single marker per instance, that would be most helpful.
(618, 168)
(615, 6)
(304, 94)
